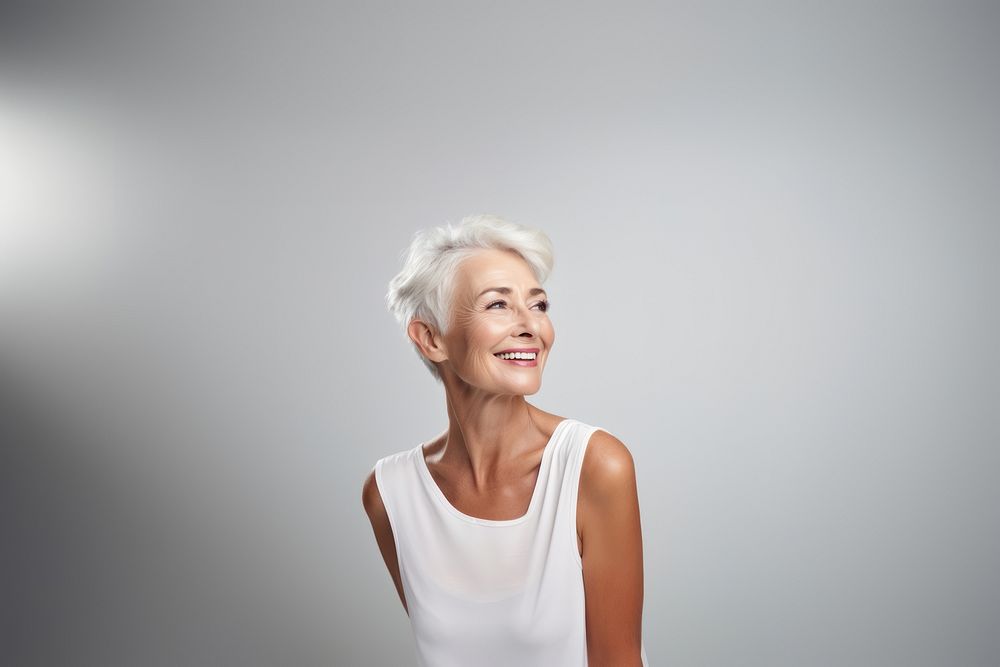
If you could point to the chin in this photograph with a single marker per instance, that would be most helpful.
(522, 389)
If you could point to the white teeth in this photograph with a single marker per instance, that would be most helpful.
(517, 355)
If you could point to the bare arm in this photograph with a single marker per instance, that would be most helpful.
(372, 500)
(612, 553)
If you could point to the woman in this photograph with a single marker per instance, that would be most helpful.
(513, 537)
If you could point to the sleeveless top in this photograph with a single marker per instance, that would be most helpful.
(492, 593)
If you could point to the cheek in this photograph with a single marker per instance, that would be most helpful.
(548, 334)
(477, 337)
(484, 330)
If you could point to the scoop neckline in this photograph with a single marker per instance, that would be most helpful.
(425, 473)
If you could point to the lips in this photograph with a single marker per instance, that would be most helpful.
(530, 363)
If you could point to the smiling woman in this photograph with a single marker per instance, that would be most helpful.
(513, 537)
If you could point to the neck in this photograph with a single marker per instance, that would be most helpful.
(488, 432)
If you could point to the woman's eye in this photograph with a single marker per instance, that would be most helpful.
(543, 304)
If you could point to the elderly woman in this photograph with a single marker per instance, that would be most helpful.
(513, 538)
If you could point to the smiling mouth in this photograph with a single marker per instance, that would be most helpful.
(520, 356)
(519, 359)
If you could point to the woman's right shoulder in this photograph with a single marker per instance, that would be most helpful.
(381, 522)
(370, 495)
(371, 498)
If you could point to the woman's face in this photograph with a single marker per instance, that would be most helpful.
(498, 305)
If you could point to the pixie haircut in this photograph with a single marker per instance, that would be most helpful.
(424, 288)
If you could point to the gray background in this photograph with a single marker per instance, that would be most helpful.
(776, 267)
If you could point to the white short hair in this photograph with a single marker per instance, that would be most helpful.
(424, 288)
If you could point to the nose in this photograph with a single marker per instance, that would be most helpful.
(526, 325)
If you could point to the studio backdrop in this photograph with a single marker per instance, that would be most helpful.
(776, 266)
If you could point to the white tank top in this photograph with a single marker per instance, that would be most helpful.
(489, 593)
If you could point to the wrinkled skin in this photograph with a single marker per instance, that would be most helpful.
(480, 327)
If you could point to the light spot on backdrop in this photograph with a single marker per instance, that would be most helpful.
(56, 198)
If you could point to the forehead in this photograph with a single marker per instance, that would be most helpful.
(495, 267)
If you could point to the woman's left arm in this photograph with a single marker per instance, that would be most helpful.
(611, 537)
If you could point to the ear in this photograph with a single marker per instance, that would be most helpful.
(428, 340)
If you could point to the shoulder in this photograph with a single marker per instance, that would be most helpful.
(610, 535)
(608, 469)
(370, 496)
(384, 471)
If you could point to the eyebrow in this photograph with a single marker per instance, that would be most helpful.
(506, 290)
